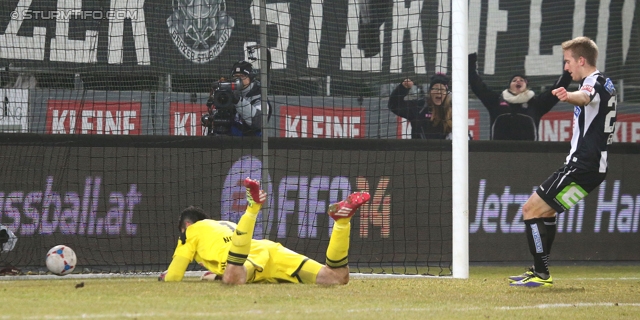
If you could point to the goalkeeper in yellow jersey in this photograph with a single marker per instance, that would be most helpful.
(228, 251)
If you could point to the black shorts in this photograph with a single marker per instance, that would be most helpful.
(565, 187)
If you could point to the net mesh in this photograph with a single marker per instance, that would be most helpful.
(103, 104)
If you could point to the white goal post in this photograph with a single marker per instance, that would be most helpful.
(460, 142)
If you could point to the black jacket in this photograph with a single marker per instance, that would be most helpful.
(418, 114)
(515, 120)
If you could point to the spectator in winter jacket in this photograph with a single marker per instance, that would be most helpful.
(430, 117)
(515, 112)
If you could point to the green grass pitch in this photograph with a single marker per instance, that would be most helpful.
(579, 292)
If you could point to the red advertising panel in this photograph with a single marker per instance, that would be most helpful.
(184, 119)
(403, 130)
(93, 117)
(319, 122)
(558, 126)
(627, 128)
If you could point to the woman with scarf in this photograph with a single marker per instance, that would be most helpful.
(515, 112)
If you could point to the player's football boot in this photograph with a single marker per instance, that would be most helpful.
(254, 196)
(533, 281)
(527, 273)
(347, 208)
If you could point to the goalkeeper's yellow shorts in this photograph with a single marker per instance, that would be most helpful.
(271, 262)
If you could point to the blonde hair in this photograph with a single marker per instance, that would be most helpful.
(582, 47)
(442, 113)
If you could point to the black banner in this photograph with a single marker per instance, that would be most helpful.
(331, 37)
(604, 226)
(116, 199)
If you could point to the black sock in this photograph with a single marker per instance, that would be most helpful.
(537, 238)
(552, 227)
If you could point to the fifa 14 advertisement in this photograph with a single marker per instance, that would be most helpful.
(120, 205)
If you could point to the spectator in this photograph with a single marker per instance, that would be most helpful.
(241, 114)
(430, 118)
(515, 112)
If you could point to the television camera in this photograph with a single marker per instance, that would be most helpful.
(221, 107)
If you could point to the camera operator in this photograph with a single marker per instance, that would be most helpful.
(235, 108)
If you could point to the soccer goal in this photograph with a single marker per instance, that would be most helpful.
(117, 136)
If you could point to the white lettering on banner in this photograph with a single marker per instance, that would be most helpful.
(351, 57)
(180, 127)
(497, 21)
(17, 47)
(58, 121)
(184, 119)
(492, 212)
(301, 200)
(324, 122)
(495, 214)
(292, 127)
(335, 127)
(627, 128)
(278, 15)
(407, 18)
(315, 33)
(107, 122)
(536, 64)
(572, 219)
(13, 46)
(29, 43)
(116, 33)
(635, 131)
(84, 51)
(74, 116)
(555, 130)
(475, 14)
(623, 221)
(69, 213)
(14, 110)
(539, 65)
(306, 205)
(442, 43)
(628, 9)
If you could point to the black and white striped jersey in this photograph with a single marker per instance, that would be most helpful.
(593, 124)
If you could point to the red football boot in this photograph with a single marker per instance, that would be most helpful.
(346, 208)
(253, 191)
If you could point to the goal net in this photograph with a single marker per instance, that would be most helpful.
(103, 143)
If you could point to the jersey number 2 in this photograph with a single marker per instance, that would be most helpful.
(610, 119)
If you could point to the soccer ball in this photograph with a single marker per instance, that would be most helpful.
(61, 260)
